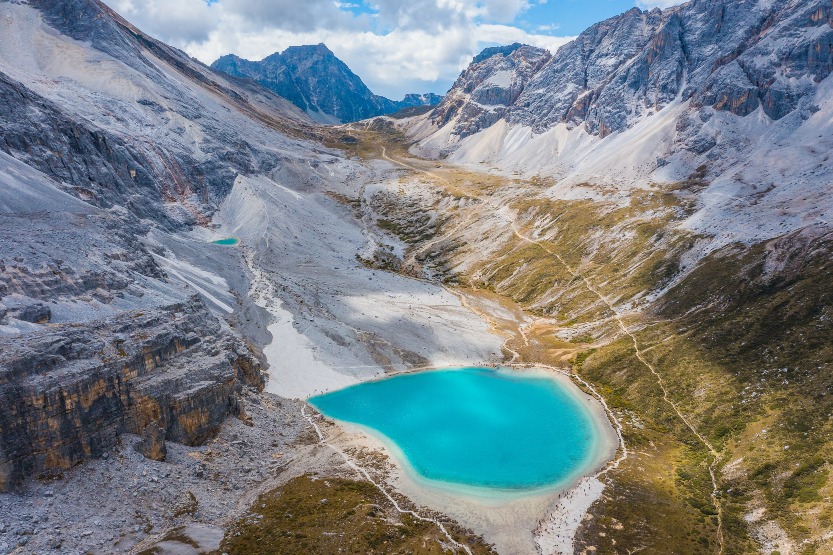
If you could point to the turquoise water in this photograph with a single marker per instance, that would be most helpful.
(475, 426)
(230, 242)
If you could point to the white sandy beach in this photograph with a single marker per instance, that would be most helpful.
(517, 523)
(335, 323)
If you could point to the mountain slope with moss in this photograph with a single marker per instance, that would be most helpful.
(737, 336)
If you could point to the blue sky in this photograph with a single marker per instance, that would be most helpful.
(562, 17)
(395, 46)
(571, 17)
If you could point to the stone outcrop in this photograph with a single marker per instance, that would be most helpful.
(483, 93)
(96, 339)
(69, 391)
(106, 169)
(152, 445)
(732, 56)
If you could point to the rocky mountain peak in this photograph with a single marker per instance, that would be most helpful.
(319, 49)
(736, 57)
(731, 56)
(492, 83)
(427, 99)
(309, 54)
(494, 51)
(93, 22)
(313, 78)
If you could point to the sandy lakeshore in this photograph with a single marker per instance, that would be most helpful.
(335, 323)
(516, 522)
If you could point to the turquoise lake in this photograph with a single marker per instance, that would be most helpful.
(476, 427)
(230, 242)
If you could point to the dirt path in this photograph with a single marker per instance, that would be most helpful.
(660, 381)
(323, 441)
(414, 168)
(639, 354)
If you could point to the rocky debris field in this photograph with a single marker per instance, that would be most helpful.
(123, 502)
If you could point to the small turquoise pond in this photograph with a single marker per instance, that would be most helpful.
(230, 242)
(476, 427)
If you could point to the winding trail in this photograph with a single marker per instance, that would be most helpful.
(322, 441)
(660, 381)
(562, 513)
(413, 168)
(515, 354)
(494, 325)
(639, 355)
(428, 245)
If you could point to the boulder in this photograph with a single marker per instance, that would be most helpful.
(152, 444)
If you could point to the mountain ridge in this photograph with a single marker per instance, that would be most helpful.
(148, 140)
(318, 83)
(166, 231)
(651, 96)
(702, 50)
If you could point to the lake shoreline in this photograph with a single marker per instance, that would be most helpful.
(507, 518)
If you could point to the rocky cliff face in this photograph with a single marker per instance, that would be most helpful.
(69, 391)
(732, 56)
(728, 56)
(125, 136)
(725, 93)
(320, 84)
(413, 100)
(483, 93)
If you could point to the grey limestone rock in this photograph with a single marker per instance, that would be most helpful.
(152, 445)
(735, 56)
(486, 90)
(69, 391)
(96, 339)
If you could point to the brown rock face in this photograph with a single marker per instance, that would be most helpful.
(68, 391)
(152, 444)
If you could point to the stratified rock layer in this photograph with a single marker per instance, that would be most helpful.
(69, 391)
(125, 135)
(152, 445)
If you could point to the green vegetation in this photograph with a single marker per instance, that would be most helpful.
(742, 342)
(770, 333)
(366, 141)
(333, 515)
(747, 356)
(660, 498)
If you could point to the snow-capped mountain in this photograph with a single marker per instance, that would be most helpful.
(484, 92)
(728, 56)
(737, 91)
(320, 84)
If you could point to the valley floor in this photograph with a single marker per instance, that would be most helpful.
(586, 286)
(387, 263)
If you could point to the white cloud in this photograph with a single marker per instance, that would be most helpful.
(662, 4)
(401, 46)
(185, 20)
